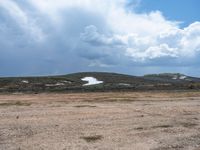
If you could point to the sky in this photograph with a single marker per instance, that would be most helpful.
(136, 37)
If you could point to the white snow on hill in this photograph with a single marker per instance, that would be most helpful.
(182, 77)
(57, 84)
(25, 81)
(91, 81)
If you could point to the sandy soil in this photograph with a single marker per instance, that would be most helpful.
(102, 121)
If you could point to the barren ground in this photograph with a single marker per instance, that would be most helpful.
(102, 121)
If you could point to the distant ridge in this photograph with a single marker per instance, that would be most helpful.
(106, 82)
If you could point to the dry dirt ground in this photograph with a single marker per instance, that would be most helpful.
(100, 121)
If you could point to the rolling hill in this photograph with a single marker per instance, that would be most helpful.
(100, 81)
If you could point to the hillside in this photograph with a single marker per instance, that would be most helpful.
(80, 82)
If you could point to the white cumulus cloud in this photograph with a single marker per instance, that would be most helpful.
(172, 42)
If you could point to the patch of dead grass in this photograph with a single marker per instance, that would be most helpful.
(92, 138)
(16, 103)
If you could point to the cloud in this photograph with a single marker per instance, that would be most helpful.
(79, 35)
(20, 17)
(172, 43)
(92, 36)
(162, 50)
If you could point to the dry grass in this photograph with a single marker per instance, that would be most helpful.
(17, 103)
(92, 138)
(85, 106)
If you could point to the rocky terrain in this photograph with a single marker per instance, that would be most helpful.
(109, 121)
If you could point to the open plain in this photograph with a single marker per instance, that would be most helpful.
(102, 121)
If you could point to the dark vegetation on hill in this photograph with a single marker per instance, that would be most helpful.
(111, 82)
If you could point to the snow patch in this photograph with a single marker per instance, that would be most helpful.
(25, 81)
(182, 77)
(67, 81)
(175, 78)
(124, 84)
(179, 77)
(57, 84)
(91, 81)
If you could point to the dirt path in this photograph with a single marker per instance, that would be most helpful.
(102, 121)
